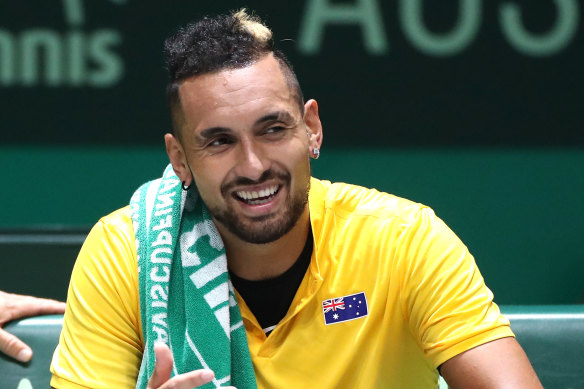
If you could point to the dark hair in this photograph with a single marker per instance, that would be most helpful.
(217, 43)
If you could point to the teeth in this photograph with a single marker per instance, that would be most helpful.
(256, 195)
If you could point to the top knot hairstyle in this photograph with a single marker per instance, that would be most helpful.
(213, 44)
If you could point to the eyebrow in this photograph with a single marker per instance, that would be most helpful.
(272, 116)
(275, 116)
(210, 132)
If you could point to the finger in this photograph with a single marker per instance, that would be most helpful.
(14, 347)
(192, 379)
(162, 367)
(32, 306)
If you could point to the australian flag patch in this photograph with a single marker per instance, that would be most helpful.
(339, 309)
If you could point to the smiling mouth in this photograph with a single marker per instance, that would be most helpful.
(257, 197)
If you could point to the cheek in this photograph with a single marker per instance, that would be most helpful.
(299, 165)
(209, 178)
(294, 154)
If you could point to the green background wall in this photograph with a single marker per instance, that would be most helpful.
(520, 211)
(472, 107)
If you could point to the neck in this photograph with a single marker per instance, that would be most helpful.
(262, 261)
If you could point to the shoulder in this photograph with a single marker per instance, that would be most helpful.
(116, 227)
(343, 214)
(347, 200)
(111, 244)
(349, 216)
(120, 219)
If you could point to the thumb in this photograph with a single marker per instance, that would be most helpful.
(14, 347)
(162, 367)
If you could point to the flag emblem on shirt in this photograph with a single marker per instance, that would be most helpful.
(339, 309)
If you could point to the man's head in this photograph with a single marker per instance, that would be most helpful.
(213, 44)
(243, 135)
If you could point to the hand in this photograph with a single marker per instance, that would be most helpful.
(161, 376)
(14, 306)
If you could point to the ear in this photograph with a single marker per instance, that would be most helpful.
(313, 125)
(178, 159)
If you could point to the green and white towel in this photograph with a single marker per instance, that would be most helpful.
(186, 297)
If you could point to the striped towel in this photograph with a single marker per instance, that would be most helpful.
(186, 297)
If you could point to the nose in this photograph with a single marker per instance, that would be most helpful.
(251, 161)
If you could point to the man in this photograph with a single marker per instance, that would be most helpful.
(13, 307)
(337, 285)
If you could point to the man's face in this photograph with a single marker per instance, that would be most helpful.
(247, 145)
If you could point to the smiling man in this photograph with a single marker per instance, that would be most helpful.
(255, 274)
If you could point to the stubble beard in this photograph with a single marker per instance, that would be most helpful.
(266, 228)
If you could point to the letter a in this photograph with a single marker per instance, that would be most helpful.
(365, 13)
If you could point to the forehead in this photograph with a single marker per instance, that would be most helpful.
(234, 94)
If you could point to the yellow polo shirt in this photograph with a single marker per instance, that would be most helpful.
(422, 301)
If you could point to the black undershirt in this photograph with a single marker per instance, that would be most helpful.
(270, 299)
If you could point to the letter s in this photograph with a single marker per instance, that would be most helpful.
(111, 67)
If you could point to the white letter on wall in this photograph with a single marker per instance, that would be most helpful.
(110, 66)
(74, 12)
(540, 45)
(365, 13)
(33, 43)
(451, 43)
(7, 64)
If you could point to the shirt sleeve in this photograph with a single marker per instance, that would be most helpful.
(101, 342)
(445, 300)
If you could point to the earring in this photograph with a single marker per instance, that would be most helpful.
(316, 153)
(185, 187)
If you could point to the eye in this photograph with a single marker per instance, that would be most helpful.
(275, 129)
(219, 141)
(274, 132)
